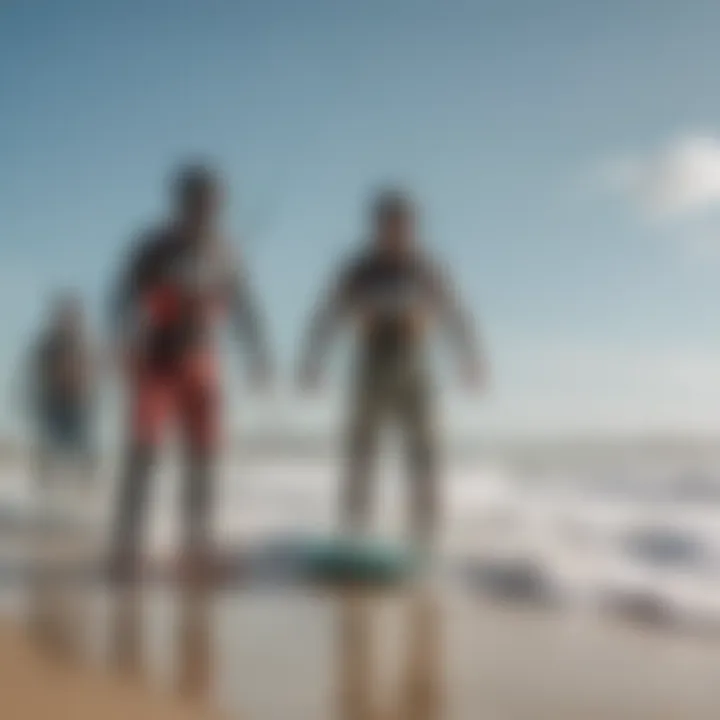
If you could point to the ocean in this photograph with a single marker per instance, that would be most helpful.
(633, 534)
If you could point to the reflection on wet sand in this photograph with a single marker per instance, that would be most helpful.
(417, 693)
(126, 634)
(55, 617)
(192, 643)
(414, 694)
(406, 655)
(194, 648)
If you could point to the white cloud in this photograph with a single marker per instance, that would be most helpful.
(680, 180)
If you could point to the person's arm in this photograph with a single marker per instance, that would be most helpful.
(458, 324)
(123, 296)
(326, 321)
(247, 319)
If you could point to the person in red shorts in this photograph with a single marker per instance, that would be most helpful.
(180, 281)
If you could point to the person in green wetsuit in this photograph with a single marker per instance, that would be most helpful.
(394, 294)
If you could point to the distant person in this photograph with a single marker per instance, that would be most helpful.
(180, 279)
(393, 292)
(61, 384)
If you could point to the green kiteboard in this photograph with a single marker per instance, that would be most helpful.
(361, 561)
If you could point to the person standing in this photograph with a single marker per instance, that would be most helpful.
(394, 294)
(61, 394)
(181, 279)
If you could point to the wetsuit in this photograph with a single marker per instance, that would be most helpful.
(395, 299)
(171, 296)
(61, 399)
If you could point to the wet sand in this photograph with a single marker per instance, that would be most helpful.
(40, 683)
(413, 655)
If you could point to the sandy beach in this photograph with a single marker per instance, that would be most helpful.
(39, 683)
(272, 654)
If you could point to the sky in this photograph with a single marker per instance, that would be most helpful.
(566, 156)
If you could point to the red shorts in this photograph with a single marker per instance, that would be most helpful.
(186, 395)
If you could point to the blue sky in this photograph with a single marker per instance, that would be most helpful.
(566, 155)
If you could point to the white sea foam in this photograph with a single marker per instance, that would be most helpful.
(593, 537)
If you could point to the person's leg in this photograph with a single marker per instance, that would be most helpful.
(138, 462)
(48, 439)
(197, 501)
(366, 416)
(80, 452)
(417, 418)
(200, 408)
(152, 403)
(88, 461)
